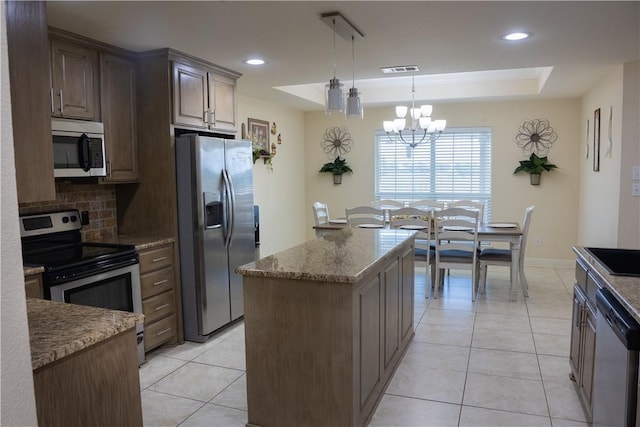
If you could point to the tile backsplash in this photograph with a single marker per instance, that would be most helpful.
(99, 200)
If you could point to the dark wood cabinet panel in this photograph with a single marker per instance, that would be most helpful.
(118, 105)
(28, 52)
(74, 81)
(203, 98)
(222, 95)
(190, 103)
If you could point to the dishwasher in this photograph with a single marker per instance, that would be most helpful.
(615, 376)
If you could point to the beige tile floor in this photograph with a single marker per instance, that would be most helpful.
(488, 363)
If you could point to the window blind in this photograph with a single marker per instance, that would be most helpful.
(455, 167)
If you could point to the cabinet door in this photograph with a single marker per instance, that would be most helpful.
(407, 294)
(118, 96)
(370, 326)
(30, 93)
(391, 311)
(588, 356)
(222, 102)
(576, 326)
(189, 96)
(74, 75)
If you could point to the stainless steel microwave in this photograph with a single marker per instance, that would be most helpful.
(78, 148)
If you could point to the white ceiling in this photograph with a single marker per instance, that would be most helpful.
(457, 45)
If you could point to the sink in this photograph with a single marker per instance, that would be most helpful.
(618, 262)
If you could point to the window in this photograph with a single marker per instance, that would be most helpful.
(457, 166)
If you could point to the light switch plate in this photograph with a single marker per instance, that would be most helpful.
(636, 173)
(636, 189)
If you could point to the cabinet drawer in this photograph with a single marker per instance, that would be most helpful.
(156, 282)
(159, 332)
(592, 289)
(157, 307)
(581, 276)
(156, 258)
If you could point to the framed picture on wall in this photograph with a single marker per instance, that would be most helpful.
(596, 140)
(258, 132)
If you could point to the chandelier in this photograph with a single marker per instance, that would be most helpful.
(421, 128)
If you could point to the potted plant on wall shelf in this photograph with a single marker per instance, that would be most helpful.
(534, 166)
(337, 168)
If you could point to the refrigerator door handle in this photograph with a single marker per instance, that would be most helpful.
(229, 207)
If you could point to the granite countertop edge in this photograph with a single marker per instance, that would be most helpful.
(58, 330)
(624, 288)
(140, 242)
(252, 270)
(32, 270)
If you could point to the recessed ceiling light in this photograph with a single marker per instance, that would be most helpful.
(254, 61)
(516, 36)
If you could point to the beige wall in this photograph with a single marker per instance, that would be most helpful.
(610, 215)
(279, 191)
(629, 212)
(556, 199)
(600, 191)
(18, 407)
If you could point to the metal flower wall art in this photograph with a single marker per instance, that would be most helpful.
(536, 136)
(336, 142)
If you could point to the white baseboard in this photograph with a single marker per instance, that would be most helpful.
(549, 262)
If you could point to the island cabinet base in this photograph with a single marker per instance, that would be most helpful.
(98, 386)
(321, 353)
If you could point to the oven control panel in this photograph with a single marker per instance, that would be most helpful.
(50, 222)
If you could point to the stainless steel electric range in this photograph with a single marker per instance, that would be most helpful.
(96, 274)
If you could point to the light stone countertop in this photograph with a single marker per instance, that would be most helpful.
(57, 330)
(626, 289)
(343, 256)
(31, 271)
(140, 242)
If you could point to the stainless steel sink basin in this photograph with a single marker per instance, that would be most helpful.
(618, 262)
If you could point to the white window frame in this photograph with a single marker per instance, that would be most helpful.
(428, 171)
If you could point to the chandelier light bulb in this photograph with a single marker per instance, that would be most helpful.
(426, 110)
(399, 124)
(388, 125)
(401, 111)
(425, 122)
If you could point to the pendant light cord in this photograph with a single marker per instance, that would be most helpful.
(334, 48)
(353, 57)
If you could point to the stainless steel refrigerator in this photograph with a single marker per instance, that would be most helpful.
(216, 229)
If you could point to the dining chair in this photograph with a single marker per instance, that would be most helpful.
(365, 217)
(456, 240)
(417, 219)
(468, 204)
(387, 205)
(503, 257)
(320, 213)
(426, 204)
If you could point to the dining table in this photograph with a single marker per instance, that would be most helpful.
(506, 232)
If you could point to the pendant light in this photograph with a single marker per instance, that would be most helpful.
(354, 104)
(334, 99)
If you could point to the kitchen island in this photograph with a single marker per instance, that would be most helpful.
(85, 365)
(326, 324)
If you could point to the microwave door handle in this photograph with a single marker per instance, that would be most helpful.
(84, 152)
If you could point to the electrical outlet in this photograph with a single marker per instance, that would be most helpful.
(538, 241)
(636, 173)
(636, 189)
